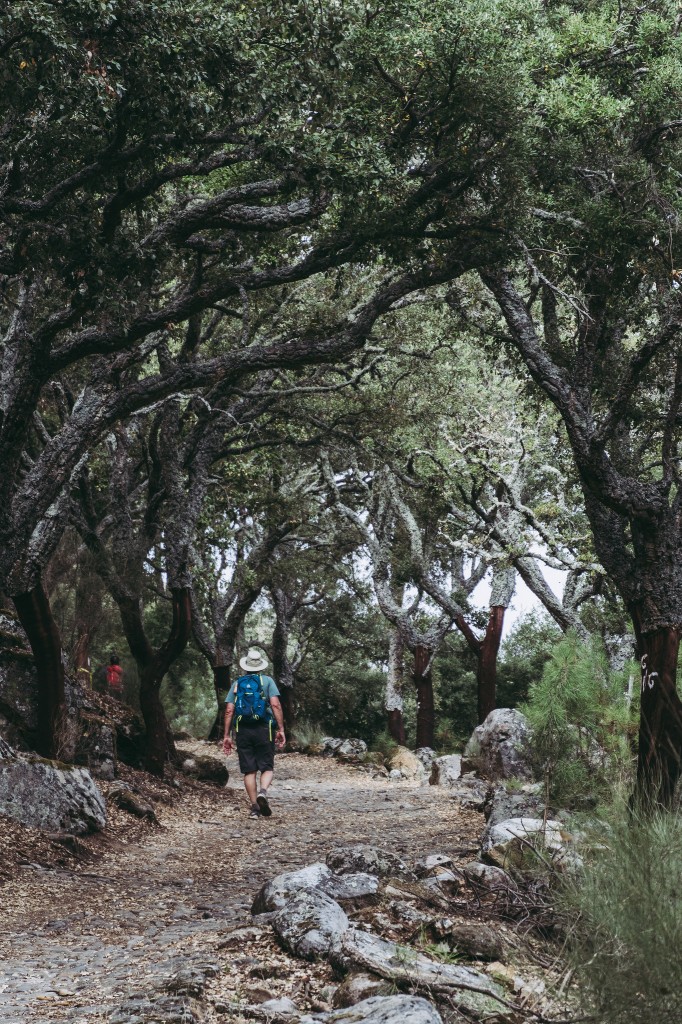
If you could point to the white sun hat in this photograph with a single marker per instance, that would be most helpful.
(254, 661)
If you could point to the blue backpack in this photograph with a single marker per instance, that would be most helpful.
(250, 703)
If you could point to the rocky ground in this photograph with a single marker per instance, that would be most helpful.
(138, 924)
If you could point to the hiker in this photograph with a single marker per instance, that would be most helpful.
(115, 678)
(253, 703)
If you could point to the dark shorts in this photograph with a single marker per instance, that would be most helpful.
(255, 748)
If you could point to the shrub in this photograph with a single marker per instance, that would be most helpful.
(628, 905)
(306, 734)
(580, 720)
(384, 743)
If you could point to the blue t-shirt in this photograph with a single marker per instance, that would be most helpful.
(269, 688)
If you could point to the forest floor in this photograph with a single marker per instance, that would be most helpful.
(80, 940)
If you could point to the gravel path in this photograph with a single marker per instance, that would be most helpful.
(76, 944)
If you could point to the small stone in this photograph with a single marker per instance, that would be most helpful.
(283, 1007)
(502, 973)
(474, 939)
(487, 876)
(427, 865)
(356, 987)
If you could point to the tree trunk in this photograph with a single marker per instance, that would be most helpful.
(152, 667)
(81, 656)
(35, 615)
(393, 700)
(660, 723)
(423, 682)
(281, 665)
(286, 699)
(221, 684)
(486, 674)
(158, 749)
(396, 726)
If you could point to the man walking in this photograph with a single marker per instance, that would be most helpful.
(254, 706)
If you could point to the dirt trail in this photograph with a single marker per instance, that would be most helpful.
(76, 943)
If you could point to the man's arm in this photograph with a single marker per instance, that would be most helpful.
(280, 738)
(228, 745)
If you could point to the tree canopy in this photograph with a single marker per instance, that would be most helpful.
(320, 232)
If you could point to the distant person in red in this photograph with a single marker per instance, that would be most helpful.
(115, 677)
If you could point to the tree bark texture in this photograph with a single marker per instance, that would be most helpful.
(396, 726)
(81, 656)
(486, 674)
(393, 701)
(660, 725)
(423, 682)
(152, 667)
(35, 615)
(282, 668)
(221, 683)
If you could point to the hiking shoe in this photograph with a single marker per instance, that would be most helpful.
(255, 811)
(263, 804)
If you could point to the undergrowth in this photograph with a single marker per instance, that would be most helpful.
(627, 904)
(306, 734)
(580, 721)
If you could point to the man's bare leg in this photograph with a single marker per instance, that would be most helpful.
(266, 780)
(250, 787)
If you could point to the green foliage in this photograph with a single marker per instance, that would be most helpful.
(579, 716)
(384, 743)
(523, 656)
(188, 695)
(306, 733)
(627, 904)
(521, 660)
(441, 951)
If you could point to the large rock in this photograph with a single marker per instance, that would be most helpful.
(357, 888)
(96, 745)
(408, 764)
(329, 745)
(525, 802)
(427, 755)
(311, 924)
(49, 795)
(369, 860)
(498, 749)
(388, 1010)
(18, 685)
(470, 792)
(276, 893)
(445, 771)
(510, 844)
(351, 750)
(468, 990)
